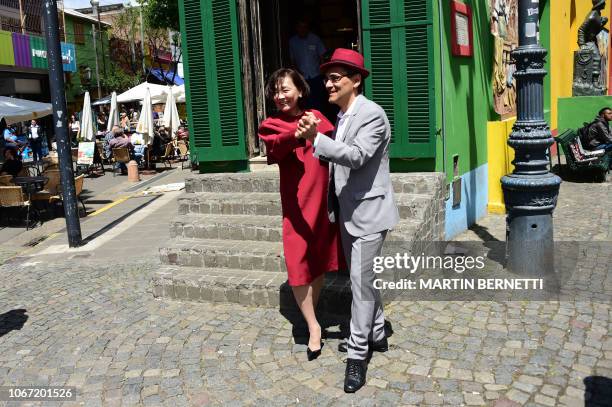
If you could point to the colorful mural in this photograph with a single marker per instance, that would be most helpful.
(7, 56)
(504, 27)
(21, 49)
(31, 52)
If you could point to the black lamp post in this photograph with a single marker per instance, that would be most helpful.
(60, 121)
(531, 191)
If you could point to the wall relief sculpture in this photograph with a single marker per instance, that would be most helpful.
(589, 74)
(504, 27)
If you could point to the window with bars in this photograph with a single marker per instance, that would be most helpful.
(10, 24)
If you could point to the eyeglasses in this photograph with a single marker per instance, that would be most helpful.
(334, 78)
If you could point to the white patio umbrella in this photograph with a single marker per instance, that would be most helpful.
(113, 117)
(145, 120)
(86, 131)
(157, 93)
(179, 93)
(171, 117)
(15, 110)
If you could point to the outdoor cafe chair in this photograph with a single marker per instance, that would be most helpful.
(183, 152)
(51, 188)
(6, 180)
(78, 187)
(12, 198)
(120, 155)
(168, 155)
(102, 153)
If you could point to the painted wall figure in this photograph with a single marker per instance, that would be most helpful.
(504, 27)
(587, 60)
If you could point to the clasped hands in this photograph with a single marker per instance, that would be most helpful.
(307, 127)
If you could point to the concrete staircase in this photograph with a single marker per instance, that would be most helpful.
(226, 242)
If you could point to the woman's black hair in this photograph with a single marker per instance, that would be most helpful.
(298, 80)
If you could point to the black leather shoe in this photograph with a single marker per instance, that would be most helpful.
(312, 355)
(355, 376)
(380, 346)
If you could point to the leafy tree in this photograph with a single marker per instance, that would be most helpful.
(161, 19)
(119, 80)
(124, 49)
(162, 14)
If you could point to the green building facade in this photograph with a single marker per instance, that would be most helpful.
(79, 31)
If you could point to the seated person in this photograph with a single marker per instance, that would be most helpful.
(160, 139)
(121, 140)
(12, 165)
(10, 138)
(107, 139)
(596, 135)
(140, 148)
(182, 133)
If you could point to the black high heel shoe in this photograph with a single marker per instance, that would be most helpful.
(312, 355)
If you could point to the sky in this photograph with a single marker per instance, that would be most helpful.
(86, 3)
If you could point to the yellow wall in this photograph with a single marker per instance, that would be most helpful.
(566, 16)
(500, 158)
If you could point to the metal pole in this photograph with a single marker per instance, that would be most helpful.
(101, 41)
(531, 191)
(93, 33)
(60, 120)
(22, 18)
(142, 47)
(133, 46)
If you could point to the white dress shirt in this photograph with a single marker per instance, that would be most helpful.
(343, 118)
(34, 130)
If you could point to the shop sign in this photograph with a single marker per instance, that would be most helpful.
(68, 57)
(38, 49)
(38, 52)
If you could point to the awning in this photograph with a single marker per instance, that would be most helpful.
(102, 101)
(14, 110)
(166, 76)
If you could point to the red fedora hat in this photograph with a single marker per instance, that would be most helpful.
(348, 58)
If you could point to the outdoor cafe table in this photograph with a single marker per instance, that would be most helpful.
(30, 185)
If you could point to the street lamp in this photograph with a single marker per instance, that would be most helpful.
(96, 10)
(531, 191)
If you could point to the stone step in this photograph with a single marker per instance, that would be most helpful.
(247, 287)
(410, 206)
(225, 254)
(257, 228)
(268, 181)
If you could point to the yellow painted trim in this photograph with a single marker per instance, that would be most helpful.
(499, 156)
(496, 208)
(110, 205)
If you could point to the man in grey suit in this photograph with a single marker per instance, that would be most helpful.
(360, 197)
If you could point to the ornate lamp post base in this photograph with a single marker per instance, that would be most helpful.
(531, 191)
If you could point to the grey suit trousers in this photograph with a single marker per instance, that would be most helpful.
(367, 318)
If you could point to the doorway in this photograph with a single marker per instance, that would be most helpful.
(335, 22)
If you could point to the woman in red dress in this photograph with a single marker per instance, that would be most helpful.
(311, 243)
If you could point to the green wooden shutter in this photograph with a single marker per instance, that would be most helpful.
(398, 46)
(213, 81)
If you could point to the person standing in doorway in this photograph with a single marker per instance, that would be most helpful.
(360, 198)
(306, 51)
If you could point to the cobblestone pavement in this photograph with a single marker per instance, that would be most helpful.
(94, 324)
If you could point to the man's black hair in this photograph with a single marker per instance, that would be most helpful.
(602, 111)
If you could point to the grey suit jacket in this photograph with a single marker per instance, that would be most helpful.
(360, 192)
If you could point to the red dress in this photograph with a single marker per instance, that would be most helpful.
(311, 243)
